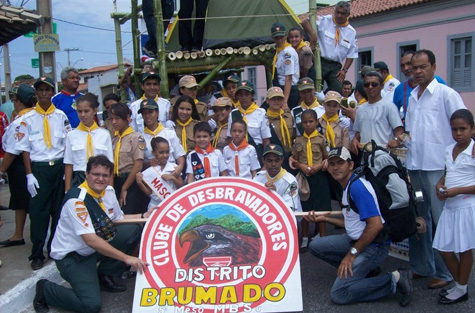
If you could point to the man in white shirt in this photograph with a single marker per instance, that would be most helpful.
(427, 120)
(337, 41)
(389, 81)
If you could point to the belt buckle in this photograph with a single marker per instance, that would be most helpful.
(51, 163)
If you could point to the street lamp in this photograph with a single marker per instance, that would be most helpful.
(81, 59)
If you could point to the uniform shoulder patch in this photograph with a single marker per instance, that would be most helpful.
(293, 189)
(141, 142)
(288, 62)
(287, 55)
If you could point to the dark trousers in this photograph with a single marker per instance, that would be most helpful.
(329, 71)
(148, 14)
(188, 39)
(81, 273)
(136, 201)
(45, 205)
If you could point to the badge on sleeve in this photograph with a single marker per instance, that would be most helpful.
(287, 55)
(293, 189)
(141, 143)
(287, 62)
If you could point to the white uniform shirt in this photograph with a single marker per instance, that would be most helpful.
(377, 121)
(257, 125)
(287, 64)
(76, 147)
(216, 162)
(168, 169)
(176, 149)
(72, 224)
(31, 132)
(137, 119)
(10, 137)
(428, 122)
(247, 161)
(388, 90)
(346, 48)
(286, 187)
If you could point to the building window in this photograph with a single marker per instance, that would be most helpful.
(365, 57)
(461, 73)
(252, 75)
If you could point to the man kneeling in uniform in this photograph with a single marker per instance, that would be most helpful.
(86, 235)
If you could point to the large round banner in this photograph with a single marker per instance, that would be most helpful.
(220, 245)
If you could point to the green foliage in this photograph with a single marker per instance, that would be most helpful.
(230, 222)
(23, 77)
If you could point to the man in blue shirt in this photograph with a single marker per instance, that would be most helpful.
(359, 252)
(66, 99)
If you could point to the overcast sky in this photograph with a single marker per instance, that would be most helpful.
(97, 47)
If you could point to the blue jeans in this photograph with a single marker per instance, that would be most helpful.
(356, 288)
(425, 260)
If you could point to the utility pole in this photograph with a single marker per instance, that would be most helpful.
(47, 59)
(7, 70)
(68, 50)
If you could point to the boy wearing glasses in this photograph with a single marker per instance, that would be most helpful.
(378, 119)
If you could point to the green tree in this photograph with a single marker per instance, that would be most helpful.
(23, 77)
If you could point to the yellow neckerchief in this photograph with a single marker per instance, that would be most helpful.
(281, 174)
(196, 101)
(218, 133)
(126, 132)
(301, 45)
(312, 106)
(363, 100)
(183, 132)
(387, 79)
(284, 129)
(156, 98)
(337, 31)
(94, 194)
(89, 145)
(47, 131)
(23, 112)
(155, 132)
(277, 50)
(224, 93)
(248, 111)
(329, 133)
(315, 133)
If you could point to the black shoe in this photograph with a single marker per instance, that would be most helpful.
(149, 52)
(108, 283)
(374, 273)
(39, 302)
(445, 300)
(36, 264)
(10, 243)
(443, 293)
(404, 285)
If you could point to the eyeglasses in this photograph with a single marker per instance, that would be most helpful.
(372, 84)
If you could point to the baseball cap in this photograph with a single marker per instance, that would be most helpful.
(232, 78)
(222, 102)
(246, 85)
(381, 66)
(187, 81)
(274, 92)
(44, 80)
(340, 152)
(150, 75)
(148, 104)
(366, 69)
(277, 29)
(332, 96)
(24, 93)
(276, 149)
(305, 83)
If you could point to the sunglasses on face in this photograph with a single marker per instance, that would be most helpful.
(372, 84)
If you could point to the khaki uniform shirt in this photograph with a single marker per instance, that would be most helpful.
(342, 136)
(289, 120)
(319, 151)
(190, 138)
(223, 139)
(132, 148)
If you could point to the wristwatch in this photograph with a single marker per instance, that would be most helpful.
(353, 251)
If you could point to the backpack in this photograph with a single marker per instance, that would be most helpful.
(396, 199)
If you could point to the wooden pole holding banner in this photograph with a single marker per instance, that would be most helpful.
(296, 214)
(312, 5)
(162, 54)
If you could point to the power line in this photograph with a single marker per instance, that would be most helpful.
(88, 26)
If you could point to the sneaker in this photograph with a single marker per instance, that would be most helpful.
(404, 285)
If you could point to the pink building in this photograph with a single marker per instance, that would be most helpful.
(387, 28)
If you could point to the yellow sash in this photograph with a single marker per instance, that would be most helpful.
(128, 131)
(89, 145)
(95, 195)
(47, 131)
(277, 177)
(218, 133)
(284, 129)
(338, 26)
(329, 133)
(277, 50)
(248, 111)
(315, 133)
(301, 45)
(155, 132)
(183, 132)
